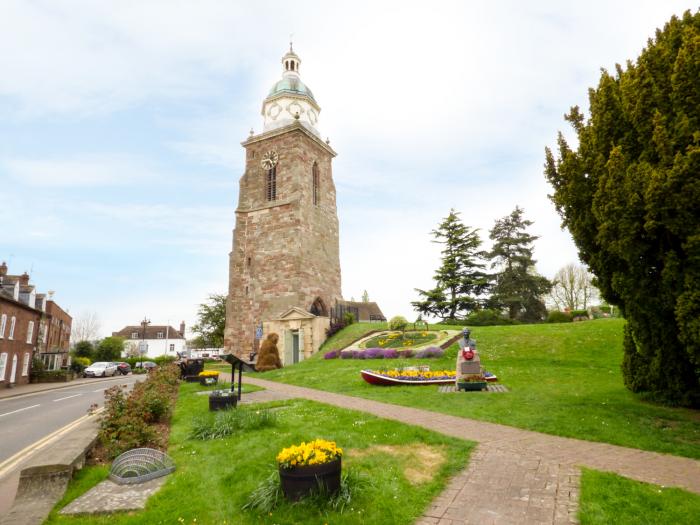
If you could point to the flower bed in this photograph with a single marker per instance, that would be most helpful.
(400, 339)
(385, 353)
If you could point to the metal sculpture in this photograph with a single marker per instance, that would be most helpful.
(140, 465)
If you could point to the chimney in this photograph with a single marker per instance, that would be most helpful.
(182, 328)
(3, 269)
(24, 279)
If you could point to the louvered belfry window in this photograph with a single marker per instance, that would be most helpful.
(271, 184)
(315, 183)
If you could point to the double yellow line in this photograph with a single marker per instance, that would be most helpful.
(10, 463)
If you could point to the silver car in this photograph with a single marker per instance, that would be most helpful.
(100, 369)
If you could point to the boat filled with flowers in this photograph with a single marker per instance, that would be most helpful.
(410, 376)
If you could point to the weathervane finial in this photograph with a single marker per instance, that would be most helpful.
(291, 38)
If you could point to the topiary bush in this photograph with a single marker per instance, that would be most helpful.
(398, 323)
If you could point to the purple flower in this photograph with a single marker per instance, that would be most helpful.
(431, 351)
(374, 353)
(333, 354)
(347, 354)
(358, 354)
(408, 352)
(390, 353)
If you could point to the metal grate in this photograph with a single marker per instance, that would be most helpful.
(140, 465)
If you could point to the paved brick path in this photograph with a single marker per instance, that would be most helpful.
(514, 475)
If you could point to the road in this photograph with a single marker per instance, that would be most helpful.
(28, 418)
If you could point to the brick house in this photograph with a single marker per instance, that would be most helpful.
(20, 321)
(55, 341)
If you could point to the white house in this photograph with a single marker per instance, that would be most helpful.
(157, 340)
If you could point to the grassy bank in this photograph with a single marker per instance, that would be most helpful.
(405, 467)
(564, 379)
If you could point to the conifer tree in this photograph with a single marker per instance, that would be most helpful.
(518, 288)
(461, 279)
(630, 196)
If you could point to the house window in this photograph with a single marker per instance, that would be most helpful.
(12, 327)
(3, 362)
(3, 322)
(30, 332)
(172, 347)
(159, 335)
(134, 335)
(25, 364)
(271, 184)
(315, 177)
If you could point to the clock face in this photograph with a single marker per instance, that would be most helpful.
(269, 160)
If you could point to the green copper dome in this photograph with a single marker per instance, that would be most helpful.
(291, 85)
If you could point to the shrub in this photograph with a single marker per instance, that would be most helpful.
(407, 352)
(430, 352)
(347, 354)
(84, 349)
(391, 353)
(333, 354)
(559, 317)
(579, 313)
(164, 359)
(374, 353)
(335, 327)
(488, 317)
(78, 364)
(398, 323)
(348, 318)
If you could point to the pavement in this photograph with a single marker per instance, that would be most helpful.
(514, 475)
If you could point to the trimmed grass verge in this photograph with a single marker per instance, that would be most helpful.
(564, 379)
(215, 477)
(609, 498)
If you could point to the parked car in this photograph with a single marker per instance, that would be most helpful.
(100, 369)
(124, 368)
(146, 365)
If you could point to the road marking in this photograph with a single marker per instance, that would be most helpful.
(101, 389)
(67, 389)
(19, 410)
(11, 462)
(67, 397)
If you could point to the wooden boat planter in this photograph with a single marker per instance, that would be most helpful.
(377, 379)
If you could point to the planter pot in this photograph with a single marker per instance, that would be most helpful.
(207, 381)
(222, 402)
(298, 482)
(472, 386)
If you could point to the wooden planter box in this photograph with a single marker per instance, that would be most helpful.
(222, 402)
(298, 482)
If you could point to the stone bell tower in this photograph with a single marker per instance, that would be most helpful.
(284, 264)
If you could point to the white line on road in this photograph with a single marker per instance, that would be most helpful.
(100, 390)
(18, 410)
(67, 397)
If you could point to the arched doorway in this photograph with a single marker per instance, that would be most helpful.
(318, 307)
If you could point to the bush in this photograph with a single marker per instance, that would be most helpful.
(398, 323)
(333, 354)
(346, 354)
(488, 317)
(408, 352)
(84, 349)
(579, 313)
(348, 318)
(109, 349)
(430, 352)
(335, 327)
(556, 316)
(164, 359)
(78, 364)
(391, 353)
(374, 353)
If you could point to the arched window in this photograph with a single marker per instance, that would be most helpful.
(3, 322)
(271, 184)
(12, 327)
(314, 172)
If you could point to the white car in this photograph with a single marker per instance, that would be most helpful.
(100, 369)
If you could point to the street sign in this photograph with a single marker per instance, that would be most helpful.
(143, 348)
(258, 332)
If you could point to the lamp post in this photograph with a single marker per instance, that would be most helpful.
(144, 324)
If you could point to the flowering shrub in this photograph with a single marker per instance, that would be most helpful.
(314, 452)
(416, 375)
(374, 353)
(333, 354)
(391, 353)
(408, 352)
(431, 351)
(209, 373)
(346, 354)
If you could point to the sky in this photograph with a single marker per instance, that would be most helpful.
(121, 123)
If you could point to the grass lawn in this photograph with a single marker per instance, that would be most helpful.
(407, 466)
(608, 498)
(564, 379)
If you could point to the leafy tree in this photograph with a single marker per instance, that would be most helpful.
(84, 349)
(212, 320)
(630, 196)
(573, 288)
(461, 279)
(109, 349)
(518, 288)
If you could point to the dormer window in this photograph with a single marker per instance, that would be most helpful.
(134, 335)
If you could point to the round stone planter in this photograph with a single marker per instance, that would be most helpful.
(298, 482)
(222, 402)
